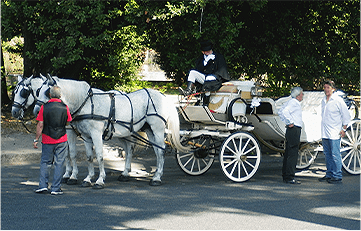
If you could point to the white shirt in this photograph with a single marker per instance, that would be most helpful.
(334, 115)
(207, 58)
(291, 113)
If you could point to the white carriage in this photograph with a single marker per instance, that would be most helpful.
(238, 117)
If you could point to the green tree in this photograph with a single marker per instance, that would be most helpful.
(4, 94)
(293, 42)
(88, 40)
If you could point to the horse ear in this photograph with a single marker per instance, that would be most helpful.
(51, 80)
(20, 78)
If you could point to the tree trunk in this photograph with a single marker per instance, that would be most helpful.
(30, 67)
(5, 100)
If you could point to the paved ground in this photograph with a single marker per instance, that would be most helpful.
(204, 202)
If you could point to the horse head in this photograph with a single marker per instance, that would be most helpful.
(24, 94)
(42, 94)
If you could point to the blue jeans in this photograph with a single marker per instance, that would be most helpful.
(331, 149)
(52, 154)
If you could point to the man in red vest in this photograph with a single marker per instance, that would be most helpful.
(53, 117)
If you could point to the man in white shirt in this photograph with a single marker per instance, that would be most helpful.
(335, 118)
(291, 115)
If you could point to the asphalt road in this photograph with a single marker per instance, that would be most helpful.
(183, 202)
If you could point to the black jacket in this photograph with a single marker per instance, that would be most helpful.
(217, 67)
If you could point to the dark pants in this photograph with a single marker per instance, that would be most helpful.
(291, 154)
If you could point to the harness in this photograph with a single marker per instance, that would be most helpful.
(109, 131)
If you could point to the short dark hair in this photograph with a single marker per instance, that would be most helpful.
(330, 82)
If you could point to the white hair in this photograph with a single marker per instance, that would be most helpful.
(296, 91)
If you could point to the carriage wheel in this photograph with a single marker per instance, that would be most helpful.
(240, 156)
(236, 111)
(350, 148)
(200, 159)
(307, 155)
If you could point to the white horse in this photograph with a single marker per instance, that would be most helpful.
(24, 95)
(120, 115)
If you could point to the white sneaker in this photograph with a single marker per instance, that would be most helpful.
(41, 190)
(57, 192)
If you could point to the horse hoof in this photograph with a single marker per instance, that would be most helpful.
(72, 182)
(98, 186)
(122, 178)
(65, 180)
(86, 184)
(155, 183)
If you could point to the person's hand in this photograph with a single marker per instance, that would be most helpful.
(342, 133)
(35, 145)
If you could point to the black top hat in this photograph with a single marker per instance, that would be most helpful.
(206, 45)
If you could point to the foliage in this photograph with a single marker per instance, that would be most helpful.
(89, 40)
(12, 51)
(280, 44)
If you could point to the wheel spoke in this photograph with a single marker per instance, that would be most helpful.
(244, 169)
(249, 150)
(240, 144)
(230, 149)
(346, 156)
(249, 164)
(346, 149)
(194, 160)
(230, 163)
(344, 141)
(185, 164)
(245, 146)
(234, 145)
(350, 159)
(252, 157)
(186, 155)
(234, 167)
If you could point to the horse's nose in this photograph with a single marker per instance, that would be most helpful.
(16, 113)
(36, 110)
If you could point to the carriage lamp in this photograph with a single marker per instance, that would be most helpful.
(256, 91)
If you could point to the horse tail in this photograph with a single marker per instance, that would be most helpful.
(173, 127)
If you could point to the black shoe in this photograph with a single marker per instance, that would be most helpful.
(206, 100)
(334, 181)
(293, 181)
(325, 178)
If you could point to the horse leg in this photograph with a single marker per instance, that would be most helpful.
(98, 146)
(159, 140)
(89, 154)
(68, 170)
(128, 148)
(73, 179)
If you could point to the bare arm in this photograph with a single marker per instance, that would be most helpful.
(39, 130)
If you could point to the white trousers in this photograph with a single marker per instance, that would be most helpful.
(196, 76)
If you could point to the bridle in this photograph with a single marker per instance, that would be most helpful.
(24, 93)
(39, 102)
